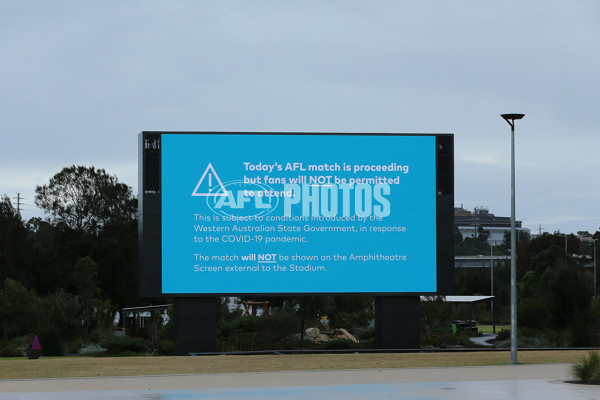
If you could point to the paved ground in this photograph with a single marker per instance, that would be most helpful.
(500, 382)
(483, 340)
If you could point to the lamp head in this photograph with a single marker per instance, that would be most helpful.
(512, 116)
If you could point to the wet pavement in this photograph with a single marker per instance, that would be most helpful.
(525, 389)
(503, 382)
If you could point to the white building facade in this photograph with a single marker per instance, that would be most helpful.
(469, 224)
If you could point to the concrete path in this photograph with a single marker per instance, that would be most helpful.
(497, 382)
(483, 340)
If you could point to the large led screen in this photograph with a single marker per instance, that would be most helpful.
(297, 213)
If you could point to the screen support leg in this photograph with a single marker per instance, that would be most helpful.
(397, 322)
(195, 325)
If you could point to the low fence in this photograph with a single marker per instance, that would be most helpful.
(227, 347)
(240, 347)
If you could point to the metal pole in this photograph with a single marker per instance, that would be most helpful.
(595, 265)
(492, 287)
(510, 118)
(513, 252)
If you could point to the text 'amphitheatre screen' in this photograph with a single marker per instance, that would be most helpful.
(298, 213)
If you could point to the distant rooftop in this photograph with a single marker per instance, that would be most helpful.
(481, 216)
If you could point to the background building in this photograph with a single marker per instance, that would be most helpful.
(468, 223)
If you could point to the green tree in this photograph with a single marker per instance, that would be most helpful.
(62, 309)
(54, 253)
(308, 309)
(86, 282)
(471, 245)
(568, 293)
(555, 291)
(595, 320)
(116, 253)
(104, 312)
(20, 310)
(15, 245)
(85, 198)
(351, 312)
(92, 215)
(435, 316)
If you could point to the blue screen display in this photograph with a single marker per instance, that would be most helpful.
(293, 213)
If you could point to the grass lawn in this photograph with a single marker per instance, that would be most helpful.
(66, 367)
(490, 328)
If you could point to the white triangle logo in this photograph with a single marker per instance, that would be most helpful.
(213, 185)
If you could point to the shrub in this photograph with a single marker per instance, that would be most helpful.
(366, 334)
(368, 343)
(504, 334)
(456, 340)
(92, 350)
(246, 329)
(532, 313)
(587, 370)
(278, 325)
(74, 346)
(123, 345)
(12, 348)
(165, 348)
(527, 338)
(339, 344)
(581, 332)
(8, 351)
(448, 340)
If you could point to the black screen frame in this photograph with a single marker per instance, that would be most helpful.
(150, 209)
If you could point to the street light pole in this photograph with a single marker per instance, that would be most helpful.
(510, 118)
(492, 286)
(595, 265)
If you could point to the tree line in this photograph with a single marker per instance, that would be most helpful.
(555, 286)
(72, 270)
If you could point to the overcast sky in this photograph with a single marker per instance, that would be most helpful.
(80, 79)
